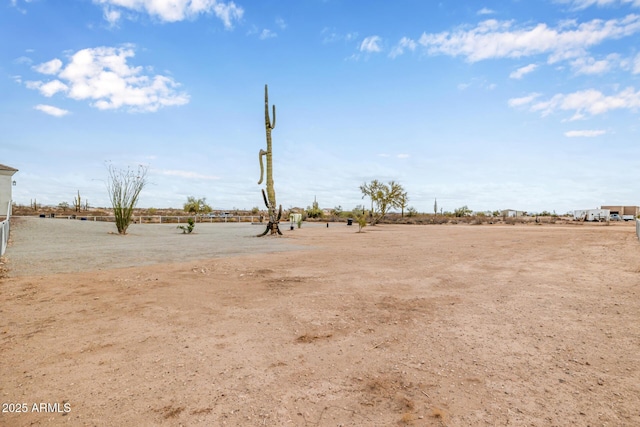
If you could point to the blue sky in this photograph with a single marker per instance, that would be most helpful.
(497, 104)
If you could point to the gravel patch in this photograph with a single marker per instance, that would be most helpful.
(41, 246)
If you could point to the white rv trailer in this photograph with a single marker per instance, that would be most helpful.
(580, 214)
(591, 215)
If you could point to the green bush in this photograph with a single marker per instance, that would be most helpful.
(187, 229)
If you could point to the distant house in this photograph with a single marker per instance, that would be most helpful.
(511, 213)
(632, 211)
(6, 185)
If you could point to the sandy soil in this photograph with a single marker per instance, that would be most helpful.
(453, 325)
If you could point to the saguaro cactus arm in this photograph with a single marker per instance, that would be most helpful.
(260, 155)
(267, 121)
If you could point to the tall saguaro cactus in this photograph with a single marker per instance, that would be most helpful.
(77, 202)
(270, 195)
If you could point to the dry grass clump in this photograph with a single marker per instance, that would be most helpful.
(439, 413)
(3, 268)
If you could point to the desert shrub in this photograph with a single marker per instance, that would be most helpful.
(462, 212)
(124, 188)
(440, 219)
(187, 229)
(478, 220)
(314, 211)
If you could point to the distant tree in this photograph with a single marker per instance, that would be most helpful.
(358, 210)
(314, 211)
(403, 201)
(64, 206)
(369, 189)
(383, 197)
(337, 211)
(360, 217)
(196, 206)
(411, 211)
(255, 210)
(463, 211)
(124, 188)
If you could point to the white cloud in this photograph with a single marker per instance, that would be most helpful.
(267, 34)
(402, 156)
(477, 82)
(518, 102)
(636, 64)
(589, 102)
(486, 11)
(501, 39)
(584, 133)
(520, 72)
(33, 84)
(228, 12)
(14, 3)
(50, 67)
(103, 76)
(51, 110)
(404, 43)
(174, 10)
(583, 4)
(188, 174)
(112, 16)
(281, 24)
(51, 88)
(330, 35)
(588, 65)
(371, 44)
(22, 60)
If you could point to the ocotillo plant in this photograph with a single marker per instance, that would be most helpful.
(270, 195)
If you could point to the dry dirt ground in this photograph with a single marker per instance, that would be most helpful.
(451, 325)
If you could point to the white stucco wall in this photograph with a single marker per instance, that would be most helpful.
(6, 179)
